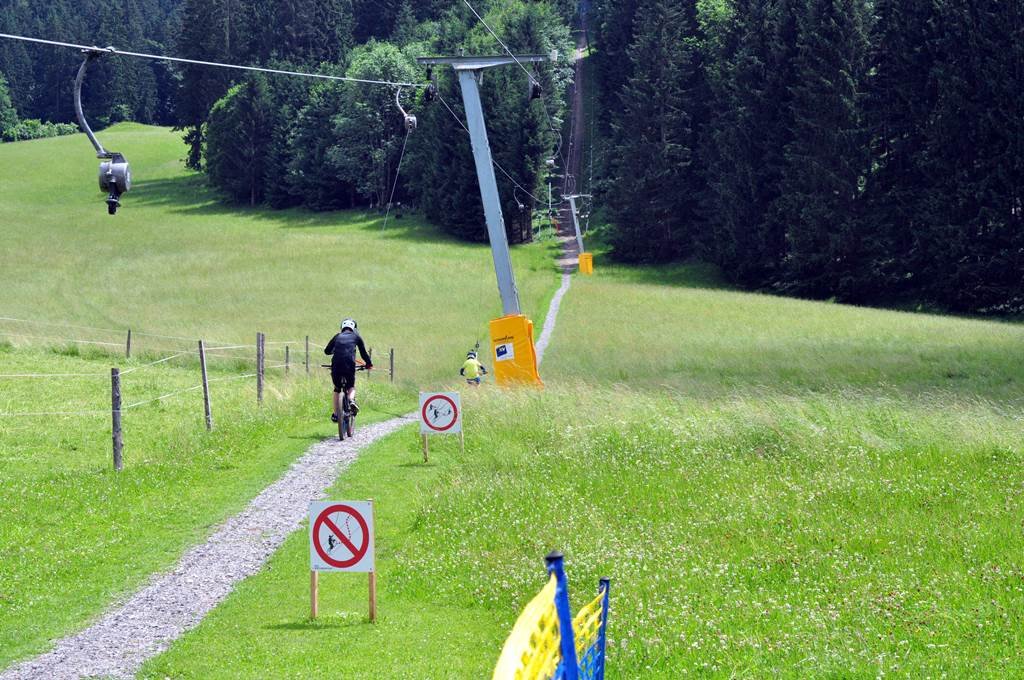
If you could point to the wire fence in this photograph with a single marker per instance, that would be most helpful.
(280, 352)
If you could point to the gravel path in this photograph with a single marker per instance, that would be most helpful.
(148, 622)
(549, 322)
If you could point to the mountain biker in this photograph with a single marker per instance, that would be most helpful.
(342, 350)
(472, 370)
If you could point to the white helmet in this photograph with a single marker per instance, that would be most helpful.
(348, 324)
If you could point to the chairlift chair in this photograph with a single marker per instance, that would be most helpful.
(115, 176)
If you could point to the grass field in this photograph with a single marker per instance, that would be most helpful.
(817, 497)
(73, 534)
(176, 261)
(776, 487)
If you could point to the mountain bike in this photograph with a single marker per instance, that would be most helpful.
(346, 419)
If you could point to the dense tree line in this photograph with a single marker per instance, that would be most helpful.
(330, 145)
(40, 78)
(866, 151)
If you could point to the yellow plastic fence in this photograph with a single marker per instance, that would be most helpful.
(532, 649)
(587, 625)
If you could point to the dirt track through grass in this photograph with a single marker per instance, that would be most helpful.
(148, 622)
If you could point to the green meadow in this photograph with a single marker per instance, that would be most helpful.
(177, 261)
(776, 487)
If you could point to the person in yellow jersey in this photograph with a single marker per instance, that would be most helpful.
(473, 371)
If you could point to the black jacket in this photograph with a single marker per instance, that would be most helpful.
(342, 349)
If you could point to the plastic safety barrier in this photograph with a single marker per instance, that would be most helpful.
(547, 643)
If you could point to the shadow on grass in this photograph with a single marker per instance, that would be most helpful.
(697, 275)
(323, 623)
(190, 195)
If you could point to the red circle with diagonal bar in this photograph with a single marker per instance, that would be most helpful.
(358, 552)
(454, 413)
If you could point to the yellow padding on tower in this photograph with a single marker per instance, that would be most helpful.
(513, 351)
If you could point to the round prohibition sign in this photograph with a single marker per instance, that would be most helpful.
(454, 413)
(358, 551)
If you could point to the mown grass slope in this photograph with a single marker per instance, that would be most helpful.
(777, 488)
(177, 261)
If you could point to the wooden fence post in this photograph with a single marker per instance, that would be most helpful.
(259, 369)
(307, 355)
(391, 367)
(373, 573)
(128, 345)
(314, 593)
(206, 387)
(115, 414)
(287, 360)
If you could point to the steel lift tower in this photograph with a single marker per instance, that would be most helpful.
(512, 350)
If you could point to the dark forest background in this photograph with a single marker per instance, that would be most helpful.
(867, 151)
(870, 151)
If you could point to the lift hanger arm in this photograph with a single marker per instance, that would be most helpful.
(90, 56)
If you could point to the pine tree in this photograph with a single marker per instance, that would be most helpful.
(974, 155)
(656, 183)
(238, 140)
(310, 172)
(614, 33)
(750, 77)
(898, 107)
(375, 18)
(826, 159)
(406, 25)
(301, 31)
(8, 116)
(212, 30)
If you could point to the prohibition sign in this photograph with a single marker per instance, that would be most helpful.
(454, 414)
(358, 552)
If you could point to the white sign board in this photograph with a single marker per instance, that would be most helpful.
(505, 352)
(341, 536)
(440, 413)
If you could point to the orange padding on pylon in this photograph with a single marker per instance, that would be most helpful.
(513, 351)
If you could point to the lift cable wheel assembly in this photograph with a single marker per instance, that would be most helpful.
(115, 175)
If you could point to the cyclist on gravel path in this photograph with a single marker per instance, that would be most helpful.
(342, 350)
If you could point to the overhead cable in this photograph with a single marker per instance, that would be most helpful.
(496, 164)
(197, 62)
